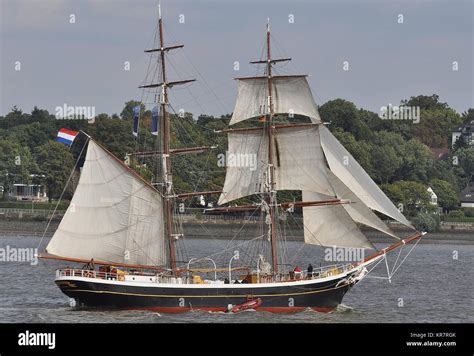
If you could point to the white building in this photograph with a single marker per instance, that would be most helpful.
(466, 131)
(467, 196)
(433, 196)
(30, 192)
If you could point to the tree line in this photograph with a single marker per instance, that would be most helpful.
(395, 153)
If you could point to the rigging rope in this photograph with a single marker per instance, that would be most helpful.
(409, 252)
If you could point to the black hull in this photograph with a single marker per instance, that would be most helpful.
(318, 295)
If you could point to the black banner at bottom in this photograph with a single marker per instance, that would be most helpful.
(284, 338)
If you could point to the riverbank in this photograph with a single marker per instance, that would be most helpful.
(227, 230)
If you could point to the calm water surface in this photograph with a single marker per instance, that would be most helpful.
(434, 287)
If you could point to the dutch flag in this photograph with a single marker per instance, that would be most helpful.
(66, 136)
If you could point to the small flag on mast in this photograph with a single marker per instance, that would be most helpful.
(154, 121)
(66, 136)
(136, 115)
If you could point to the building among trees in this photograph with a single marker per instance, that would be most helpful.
(464, 132)
(433, 197)
(467, 196)
(29, 192)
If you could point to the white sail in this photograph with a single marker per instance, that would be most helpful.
(299, 161)
(297, 157)
(330, 225)
(346, 168)
(358, 211)
(290, 94)
(113, 216)
(246, 163)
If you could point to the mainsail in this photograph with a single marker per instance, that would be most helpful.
(300, 156)
(291, 95)
(297, 156)
(114, 215)
(303, 157)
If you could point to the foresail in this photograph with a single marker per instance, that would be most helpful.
(330, 225)
(358, 211)
(290, 94)
(298, 160)
(113, 216)
(346, 168)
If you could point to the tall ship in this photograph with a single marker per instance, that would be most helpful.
(128, 233)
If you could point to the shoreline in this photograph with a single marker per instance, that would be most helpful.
(223, 230)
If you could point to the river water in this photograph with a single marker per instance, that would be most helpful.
(435, 284)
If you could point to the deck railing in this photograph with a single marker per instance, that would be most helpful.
(75, 272)
(320, 272)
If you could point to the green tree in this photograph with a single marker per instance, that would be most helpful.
(360, 150)
(387, 155)
(418, 162)
(444, 170)
(344, 114)
(55, 162)
(425, 102)
(386, 162)
(436, 122)
(16, 165)
(426, 222)
(448, 197)
(466, 160)
(115, 135)
(127, 112)
(456, 214)
(413, 196)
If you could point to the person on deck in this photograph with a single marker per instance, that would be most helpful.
(310, 271)
(89, 265)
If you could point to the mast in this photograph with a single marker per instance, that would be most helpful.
(167, 176)
(314, 148)
(165, 150)
(271, 198)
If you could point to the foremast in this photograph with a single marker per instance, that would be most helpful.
(167, 174)
(165, 149)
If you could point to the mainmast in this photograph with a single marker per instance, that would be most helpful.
(269, 128)
(297, 156)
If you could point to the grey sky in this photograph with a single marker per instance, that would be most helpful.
(82, 63)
